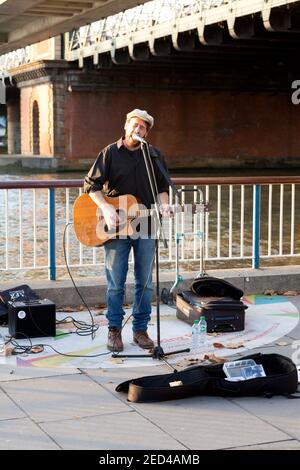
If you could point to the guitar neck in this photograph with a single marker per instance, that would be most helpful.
(141, 213)
(147, 212)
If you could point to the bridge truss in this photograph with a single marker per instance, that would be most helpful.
(157, 26)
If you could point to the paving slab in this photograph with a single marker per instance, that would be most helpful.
(283, 345)
(8, 409)
(279, 445)
(280, 412)
(207, 422)
(9, 373)
(118, 431)
(116, 376)
(23, 434)
(62, 397)
(295, 333)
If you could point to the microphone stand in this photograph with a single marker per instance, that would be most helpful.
(157, 352)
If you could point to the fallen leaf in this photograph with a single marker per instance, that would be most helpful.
(188, 362)
(234, 345)
(214, 334)
(100, 306)
(291, 293)
(270, 292)
(215, 359)
(7, 351)
(98, 312)
(37, 349)
(68, 309)
(77, 308)
(218, 345)
(117, 360)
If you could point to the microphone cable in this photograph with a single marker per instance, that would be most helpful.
(93, 327)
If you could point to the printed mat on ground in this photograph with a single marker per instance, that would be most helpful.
(267, 319)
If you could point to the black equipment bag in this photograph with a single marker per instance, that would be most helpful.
(281, 379)
(22, 293)
(214, 287)
(221, 313)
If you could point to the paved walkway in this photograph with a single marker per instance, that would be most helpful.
(80, 409)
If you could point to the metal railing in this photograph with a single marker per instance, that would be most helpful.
(251, 222)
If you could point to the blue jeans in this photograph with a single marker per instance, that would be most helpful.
(116, 267)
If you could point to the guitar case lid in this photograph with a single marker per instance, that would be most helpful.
(214, 287)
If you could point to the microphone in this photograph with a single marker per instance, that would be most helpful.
(140, 139)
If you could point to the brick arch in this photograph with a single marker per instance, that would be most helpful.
(35, 128)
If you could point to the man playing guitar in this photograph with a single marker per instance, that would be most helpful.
(120, 170)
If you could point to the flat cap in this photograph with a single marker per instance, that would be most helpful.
(142, 114)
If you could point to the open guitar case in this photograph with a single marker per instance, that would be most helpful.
(217, 300)
(281, 379)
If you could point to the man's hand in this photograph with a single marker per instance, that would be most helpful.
(165, 210)
(107, 210)
(110, 215)
(164, 206)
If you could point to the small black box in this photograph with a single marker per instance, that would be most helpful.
(32, 319)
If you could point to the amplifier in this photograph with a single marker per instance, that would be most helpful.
(32, 319)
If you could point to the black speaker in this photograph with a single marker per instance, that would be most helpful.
(31, 319)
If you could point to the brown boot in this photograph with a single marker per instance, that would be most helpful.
(114, 342)
(143, 340)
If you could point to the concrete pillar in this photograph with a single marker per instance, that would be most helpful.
(13, 127)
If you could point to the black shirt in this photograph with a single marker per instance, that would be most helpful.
(118, 171)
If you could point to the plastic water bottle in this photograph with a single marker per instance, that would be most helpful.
(195, 336)
(202, 326)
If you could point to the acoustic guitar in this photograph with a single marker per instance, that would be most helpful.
(89, 224)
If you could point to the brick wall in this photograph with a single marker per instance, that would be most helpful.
(191, 128)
